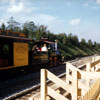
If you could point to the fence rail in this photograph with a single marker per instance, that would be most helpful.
(92, 66)
(46, 90)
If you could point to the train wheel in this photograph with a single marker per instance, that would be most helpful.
(50, 61)
(55, 61)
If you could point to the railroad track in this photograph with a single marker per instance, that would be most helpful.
(25, 94)
(34, 91)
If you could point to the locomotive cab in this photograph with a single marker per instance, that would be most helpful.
(39, 56)
(50, 57)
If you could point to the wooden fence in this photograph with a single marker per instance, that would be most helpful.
(93, 93)
(73, 83)
(46, 90)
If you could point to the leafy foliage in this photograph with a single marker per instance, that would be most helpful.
(13, 25)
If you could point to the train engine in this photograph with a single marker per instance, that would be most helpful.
(45, 54)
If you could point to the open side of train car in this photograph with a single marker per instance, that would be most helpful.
(51, 57)
(13, 50)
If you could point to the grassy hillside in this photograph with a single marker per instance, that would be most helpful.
(73, 51)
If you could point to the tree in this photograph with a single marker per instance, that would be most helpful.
(90, 44)
(41, 32)
(51, 36)
(62, 38)
(3, 26)
(13, 25)
(29, 28)
(83, 42)
(25, 30)
(72, 39)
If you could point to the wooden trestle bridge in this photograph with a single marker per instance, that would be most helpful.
(76, 85)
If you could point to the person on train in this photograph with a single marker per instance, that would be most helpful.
(35, 48)
(44, 48)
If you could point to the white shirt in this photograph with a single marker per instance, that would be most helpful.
(44, 49)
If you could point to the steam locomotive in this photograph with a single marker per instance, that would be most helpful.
(16, 52)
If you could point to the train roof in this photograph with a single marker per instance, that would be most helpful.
(14, 37)
(7, 34)
(43, 42)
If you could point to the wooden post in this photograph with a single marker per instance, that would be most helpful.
(75, 85)
(67, 72)
(88, 67)
(93, 59)
(43, 84)
(68, 66)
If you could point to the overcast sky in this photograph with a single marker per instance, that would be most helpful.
(80, 17)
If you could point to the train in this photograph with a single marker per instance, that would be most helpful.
(16, 52)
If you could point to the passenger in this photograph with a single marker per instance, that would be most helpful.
(44, 48)
(35, 48)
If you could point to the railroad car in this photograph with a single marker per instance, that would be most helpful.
(15, 52)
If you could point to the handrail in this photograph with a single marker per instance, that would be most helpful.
(95, 63)
(92, 66)
(46, 90)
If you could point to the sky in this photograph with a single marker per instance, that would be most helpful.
(79, 17)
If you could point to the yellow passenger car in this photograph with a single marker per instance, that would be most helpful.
(13, 50)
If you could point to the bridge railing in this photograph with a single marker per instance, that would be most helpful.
(94, 66)
(46, 90)
(78, 83)
(93, 92)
